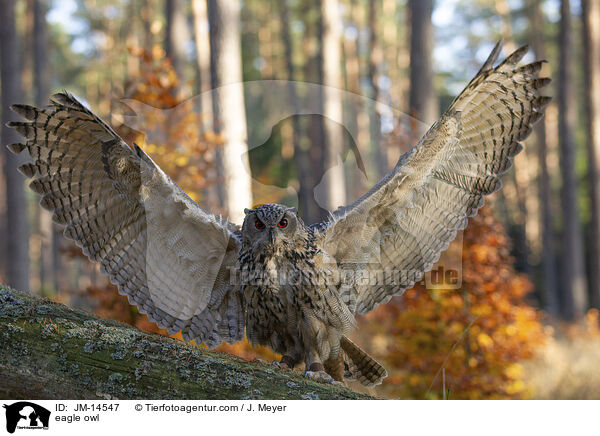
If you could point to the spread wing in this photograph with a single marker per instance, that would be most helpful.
(169, 256)
(396, 232)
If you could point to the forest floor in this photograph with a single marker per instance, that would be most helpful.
(568, 365)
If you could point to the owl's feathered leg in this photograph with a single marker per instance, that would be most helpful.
(291, 354)
(335, 368)
(317, 347)
(316, 370)
(287, 361)
(314, 367)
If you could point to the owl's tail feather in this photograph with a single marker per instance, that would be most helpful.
(359, 366)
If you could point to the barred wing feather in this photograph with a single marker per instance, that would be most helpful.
(399, 228)
(169, 256)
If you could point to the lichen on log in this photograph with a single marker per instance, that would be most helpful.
(50, 351)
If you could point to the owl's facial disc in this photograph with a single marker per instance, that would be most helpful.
(267, 226)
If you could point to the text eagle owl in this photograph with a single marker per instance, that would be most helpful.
(284, 284)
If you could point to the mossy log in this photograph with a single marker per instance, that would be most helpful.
(49, 351)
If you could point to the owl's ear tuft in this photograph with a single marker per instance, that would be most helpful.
(247, 211)
(292, 209)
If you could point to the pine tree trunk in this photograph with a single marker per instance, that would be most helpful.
(517, 192)
(202, 40)
(146, 19)
(378, 152)
(422, 94)
(549, 288)
(591, 57)
(3, 228)
(574, 301)
(314, 128)
(353, 113)
(332, 104)
(228, 104)
(17, 242)
(176, 35)
(47, 229)
(307, 206)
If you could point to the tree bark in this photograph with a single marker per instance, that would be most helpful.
(422, 94)
(574, 301)
(40, 50)
(353, 113)
(549, 288)
(202, 40)
(228, 105)
(176, 35)
(308, 208)
(53, 352)
(375, 57)
(146, 19)
(313, 135)
(517, 192)
(3, 228)
(49, 233)
(17, 242)
(591, 43)
(332, 103)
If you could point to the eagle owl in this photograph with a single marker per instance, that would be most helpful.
(292, 287)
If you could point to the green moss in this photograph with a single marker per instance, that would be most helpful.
(72, 354)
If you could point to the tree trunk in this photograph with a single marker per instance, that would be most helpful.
(17, 242)
(202, 39)
(40, 50)
(308, 208)
(313, 137)
(48, 233)
(517, 191)
(591, 58)
(332, 104)
(422, 99)
(176, 35)
(146, 19)
(378, 152)
(574, 281)
(228, 104)
(3, 229)
(352, 112)
(549, 287)
(53, 352)
(204, 99)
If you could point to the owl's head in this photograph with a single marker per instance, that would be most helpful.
(271, 226)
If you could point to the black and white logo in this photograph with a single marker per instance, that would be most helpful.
(26, 415)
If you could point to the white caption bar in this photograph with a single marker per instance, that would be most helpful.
(299, 417)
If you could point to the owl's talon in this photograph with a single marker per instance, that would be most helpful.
(319, 376)
(280, 365)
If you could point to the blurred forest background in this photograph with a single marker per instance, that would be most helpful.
(523, 322)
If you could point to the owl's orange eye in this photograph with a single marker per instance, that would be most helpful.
(259, 224)
(282, 224)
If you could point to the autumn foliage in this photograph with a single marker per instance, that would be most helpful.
(172, 129)
(469, 341)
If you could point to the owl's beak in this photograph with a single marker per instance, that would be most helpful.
(271, 236)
